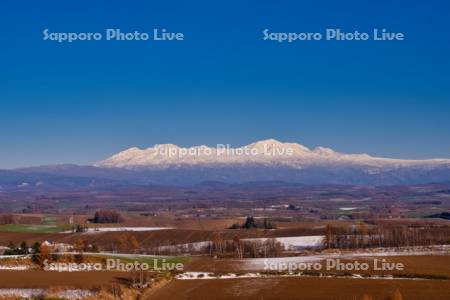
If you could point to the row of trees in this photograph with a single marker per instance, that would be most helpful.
(126, 243)
(362, 236)
(250, 223)
(21, 249)
(39, 253)
(238, 248)
(6, 219)
(107, 216)
(100, 216)
(219, 247)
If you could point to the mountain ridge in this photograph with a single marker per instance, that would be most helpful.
(268, 151)
(262, 161)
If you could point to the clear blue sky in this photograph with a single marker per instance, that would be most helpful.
(81, 102)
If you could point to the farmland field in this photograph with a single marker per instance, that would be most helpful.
(38, 228)
(303, 288)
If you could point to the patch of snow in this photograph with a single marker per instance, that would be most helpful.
(289, 243)
(15, 267)
(206, 275)
(25, 293)
(348, 208)
(189, 247)
(119, 229)
(22, 256)
(194, 275)
(260, 263)
(209, 276)
(75, 294)
(296, 242)
(32, 293)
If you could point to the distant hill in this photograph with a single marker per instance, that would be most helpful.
(443, 215)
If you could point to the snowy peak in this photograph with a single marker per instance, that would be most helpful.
(266, 152)
(266, 143)
(164, 146)
(324, 151)
(271, 144)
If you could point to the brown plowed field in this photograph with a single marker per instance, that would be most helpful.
(420, 265)
(304, 289)
(43, 279)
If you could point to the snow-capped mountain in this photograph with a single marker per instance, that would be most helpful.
(263, 161)
(269, 160)
(264, 153)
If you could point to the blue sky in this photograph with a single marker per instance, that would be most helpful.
(81, 102)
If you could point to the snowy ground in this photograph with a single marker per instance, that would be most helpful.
(297, 242)
(16, 256)
(118, 229)
(185, 248)
(260, 263)
(32, 293)
(15, 267)
(206, 275)
(289, 243)
(348, 208)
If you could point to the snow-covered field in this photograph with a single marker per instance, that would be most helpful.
(296, 242)
(119, 229)
(189, 247)
(348, 208)
(32, 293)
(206, 275)
(15, 267)
(21, 256)
(260, 263)
(289, 243)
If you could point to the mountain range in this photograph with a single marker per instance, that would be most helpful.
(267, 160)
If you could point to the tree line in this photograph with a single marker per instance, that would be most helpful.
(363, 236)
